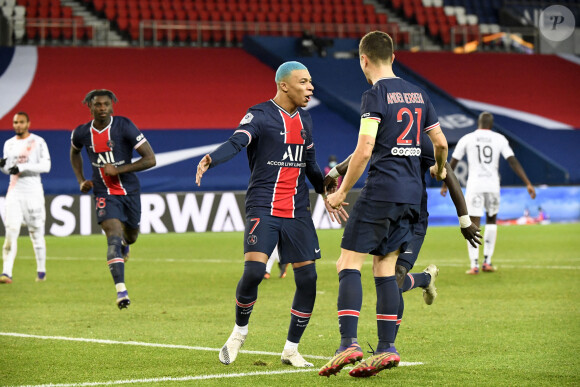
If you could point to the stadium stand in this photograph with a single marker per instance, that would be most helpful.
(211, 22)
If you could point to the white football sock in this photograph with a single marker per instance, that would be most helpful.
(489, 238)
(290, 345)
(473, 255)
(39, 245)
(9, 250)
(241, 330)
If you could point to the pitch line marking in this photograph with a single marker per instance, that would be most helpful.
(143, 344)
(169, 379)
(323, 262)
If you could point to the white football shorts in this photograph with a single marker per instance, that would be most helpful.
(25, 209)
(477, 202)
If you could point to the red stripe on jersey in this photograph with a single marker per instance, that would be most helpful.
(287, 180)
(100, 141)
(284, 191)
(113, 183)
(300, 314)
(292, 128)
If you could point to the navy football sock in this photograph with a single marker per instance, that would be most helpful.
(387, 307)
(115, 259)
(305, 278)
(247, 290)
(349, 305)
(416, 280)
(400, 312)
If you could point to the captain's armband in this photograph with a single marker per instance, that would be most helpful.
(369, 127)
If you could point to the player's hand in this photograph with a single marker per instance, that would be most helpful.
(444, 190)
(433, 171)
(2, 162)
(531, 191)
(14, 170)
(472, 234)
(336, 199)
(330, 184)
(203, 166)
(86, 186)
(336, 213)
(110, 170)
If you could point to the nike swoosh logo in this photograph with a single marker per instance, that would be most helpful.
(283, 133)
(301, 321)
(172, 157)
(316, 250)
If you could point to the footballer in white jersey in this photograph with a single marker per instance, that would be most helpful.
(25, 157)
(483, 148)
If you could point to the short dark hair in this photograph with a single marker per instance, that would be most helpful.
(377, 46)
(98, 93)
(24, 114)
(485, 120)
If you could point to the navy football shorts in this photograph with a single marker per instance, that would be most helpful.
(296, 237)
(125, 208)
(379, 228)
(408, 257)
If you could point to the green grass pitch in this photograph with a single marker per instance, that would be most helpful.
(518, 326)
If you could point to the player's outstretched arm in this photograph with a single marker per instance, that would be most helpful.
(202, 167)
(468, 229)
(519, 170)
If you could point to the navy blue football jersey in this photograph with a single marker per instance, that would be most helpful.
(281, 154)
(111, 145)
(404, 111)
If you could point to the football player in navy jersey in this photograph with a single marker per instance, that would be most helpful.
(394, 113)
(407, 259)
(278, 137)
(110, 142)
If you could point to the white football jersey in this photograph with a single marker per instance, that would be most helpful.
(32, 158)
(483, 148)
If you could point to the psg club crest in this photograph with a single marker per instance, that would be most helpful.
(303, 134)
(110, 144)
(252, 239)
(102, 212)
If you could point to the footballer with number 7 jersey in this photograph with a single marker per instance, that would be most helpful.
(393, 115)
(278, 137)
(110, 142)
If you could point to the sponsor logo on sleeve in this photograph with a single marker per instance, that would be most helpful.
(247, 119)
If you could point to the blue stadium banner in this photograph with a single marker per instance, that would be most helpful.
(224, 211)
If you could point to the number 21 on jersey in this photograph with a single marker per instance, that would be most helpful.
(402, 140)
